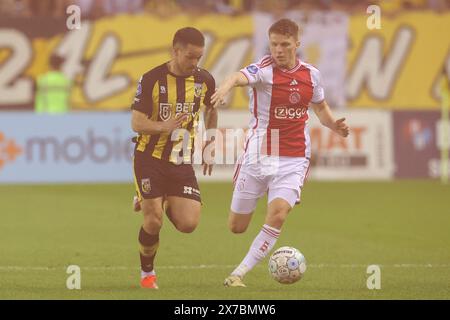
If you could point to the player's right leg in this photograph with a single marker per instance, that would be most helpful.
(150, 191)
(149, 240)
(248, 189)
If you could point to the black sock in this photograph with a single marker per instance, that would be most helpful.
(148, 246)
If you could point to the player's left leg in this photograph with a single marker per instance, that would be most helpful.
(184, 213)
(277, 212)
(279, 207)
(284, 192)
(183, 198)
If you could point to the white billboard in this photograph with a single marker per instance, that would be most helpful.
(83, 147)
(97, 147)
(366, 154)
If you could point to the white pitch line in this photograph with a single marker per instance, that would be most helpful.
(108, 268)
(398, 265)
(214, 266)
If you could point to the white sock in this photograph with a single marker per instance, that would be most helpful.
(261, 246)
(146, 274)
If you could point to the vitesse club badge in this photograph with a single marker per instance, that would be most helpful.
(146, 187)
(198, 89)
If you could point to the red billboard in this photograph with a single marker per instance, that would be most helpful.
(417, 144)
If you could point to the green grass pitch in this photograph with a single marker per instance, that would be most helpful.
(341, 228)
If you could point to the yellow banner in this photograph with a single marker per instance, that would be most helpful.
(107, 57)
(397, 66)
(400, 65)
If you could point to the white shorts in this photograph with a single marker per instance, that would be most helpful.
(280, 177)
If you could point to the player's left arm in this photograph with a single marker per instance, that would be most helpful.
(323, 112)
(210, 116)
(321, 108)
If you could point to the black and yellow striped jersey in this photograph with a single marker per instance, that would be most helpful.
(162, 95)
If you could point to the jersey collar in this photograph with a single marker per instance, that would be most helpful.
(295, 68)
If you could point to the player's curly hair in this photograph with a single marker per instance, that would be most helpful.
(187, 36)
(285, 27)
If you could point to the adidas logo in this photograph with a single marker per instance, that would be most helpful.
(293, 82)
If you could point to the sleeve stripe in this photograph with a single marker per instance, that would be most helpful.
(245, 75)
(266, 63)
(265, 60)
(318, 102)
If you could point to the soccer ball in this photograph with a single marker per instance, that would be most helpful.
(287, 265)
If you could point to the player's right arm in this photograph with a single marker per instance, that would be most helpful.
(140, 123)
(142, 109)
(248, 76)
(236, 79)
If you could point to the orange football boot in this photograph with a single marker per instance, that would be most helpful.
(149, 282)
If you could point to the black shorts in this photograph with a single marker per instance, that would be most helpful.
(156, 178)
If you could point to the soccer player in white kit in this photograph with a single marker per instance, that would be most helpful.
(277, 151)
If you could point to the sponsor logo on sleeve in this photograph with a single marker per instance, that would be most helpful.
(139, 88)
(252, 69)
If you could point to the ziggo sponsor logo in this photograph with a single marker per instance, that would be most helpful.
(75, 149)
(284, 112)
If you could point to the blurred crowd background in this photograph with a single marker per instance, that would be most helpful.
(93, 9)
(389, 78)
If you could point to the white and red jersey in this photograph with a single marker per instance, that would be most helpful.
(279, 102)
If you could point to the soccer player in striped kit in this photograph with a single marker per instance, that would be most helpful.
(165, 116)
(277, 149)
